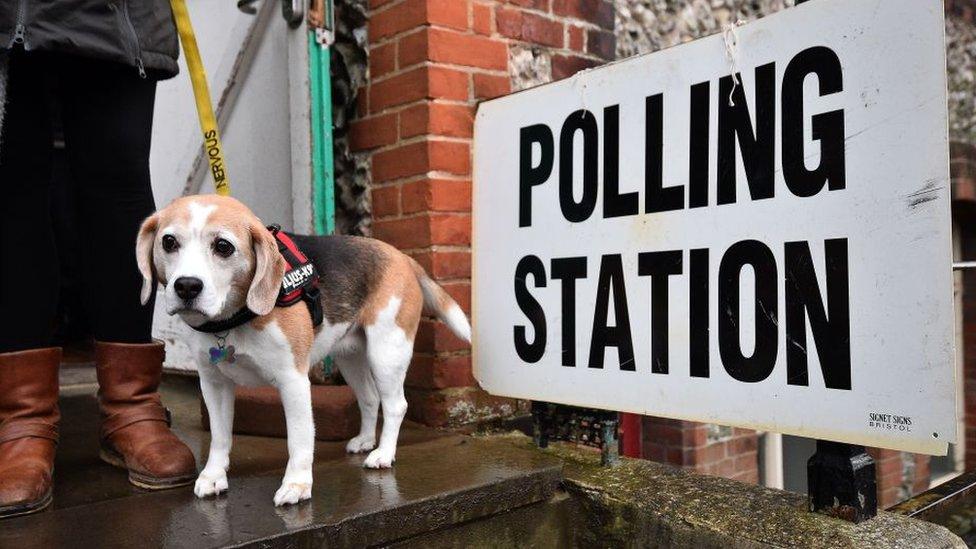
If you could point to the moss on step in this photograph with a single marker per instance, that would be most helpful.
(645, 504)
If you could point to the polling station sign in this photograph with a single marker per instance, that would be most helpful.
(750, 229)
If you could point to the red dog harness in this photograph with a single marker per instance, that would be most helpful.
(301, 281)
(300, 284)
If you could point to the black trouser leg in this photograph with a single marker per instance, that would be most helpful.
(107, 117)
(28, 255)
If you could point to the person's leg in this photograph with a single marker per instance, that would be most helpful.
(28, 255)
(107, 118)
(108, 114)
(28, 293)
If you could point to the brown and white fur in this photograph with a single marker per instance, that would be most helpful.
(372, 297)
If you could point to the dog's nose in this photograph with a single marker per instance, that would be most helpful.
(188, 287)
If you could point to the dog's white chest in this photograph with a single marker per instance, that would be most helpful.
(242, 372)
(249, 357)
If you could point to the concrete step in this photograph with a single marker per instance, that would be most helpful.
(440, 480)
(77, 378)
(434, 485)
(555, 523)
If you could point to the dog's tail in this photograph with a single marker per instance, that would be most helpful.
(440, 303)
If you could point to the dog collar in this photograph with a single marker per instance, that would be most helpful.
(300, 284)
(239, 318)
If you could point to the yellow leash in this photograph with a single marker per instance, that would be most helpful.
(201, 92)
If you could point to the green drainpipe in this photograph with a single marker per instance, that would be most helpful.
(323, 166)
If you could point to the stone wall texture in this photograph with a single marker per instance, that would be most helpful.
(349, 63)
(961, 61)
(644, 26)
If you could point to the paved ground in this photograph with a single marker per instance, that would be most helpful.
(81, 478)
(440, 479)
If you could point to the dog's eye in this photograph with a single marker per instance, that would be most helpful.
(169, 243)
(223, 248)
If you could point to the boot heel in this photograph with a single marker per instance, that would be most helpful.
(111, 457)
(115, 459)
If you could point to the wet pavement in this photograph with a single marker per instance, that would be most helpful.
(439, 480)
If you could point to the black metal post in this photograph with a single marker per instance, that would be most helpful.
(595, 428)
(841, 482)
(542, 423)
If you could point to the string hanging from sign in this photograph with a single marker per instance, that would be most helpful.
(583, 99)
(581, 85)
(731, 37)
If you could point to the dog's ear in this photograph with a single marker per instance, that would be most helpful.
(269, 269)
(144, 255)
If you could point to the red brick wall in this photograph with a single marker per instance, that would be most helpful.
(430, 62)
(964, 214)
(900, 475)
(963, 172)
(709, 449)
(969, 345)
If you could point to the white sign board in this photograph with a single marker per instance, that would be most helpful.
(653, 237)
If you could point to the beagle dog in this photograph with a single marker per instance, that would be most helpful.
(216, 259)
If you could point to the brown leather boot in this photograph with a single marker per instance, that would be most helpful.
(28, 429)
(135, 432)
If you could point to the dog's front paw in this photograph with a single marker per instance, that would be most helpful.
(210, 484)
(380, 458)
(360, 444)
(292, 492)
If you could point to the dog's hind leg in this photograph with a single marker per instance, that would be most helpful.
(389, 377)
(218, 395)
(355, 370)
(296, 396)
(388, 352)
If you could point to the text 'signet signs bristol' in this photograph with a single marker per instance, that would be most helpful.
(770, 252)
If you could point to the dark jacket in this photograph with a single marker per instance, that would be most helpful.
(138, 33)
